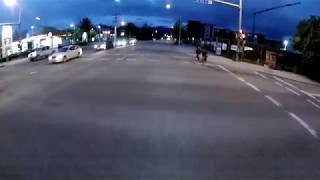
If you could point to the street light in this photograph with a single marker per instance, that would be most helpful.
(32, 28)
(123, 23)
(10, 3)
(38, 18)
(168, 7)
(116, 21)
(285, 43)
(99, 27)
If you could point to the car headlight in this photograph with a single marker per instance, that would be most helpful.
(95, 46)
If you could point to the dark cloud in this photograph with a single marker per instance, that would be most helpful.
(61, 13)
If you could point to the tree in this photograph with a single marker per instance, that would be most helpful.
(307, 40)
(176, 29)
(85, 25)
(47, 29)
(132, 30)
(145, 32)
(194, 29)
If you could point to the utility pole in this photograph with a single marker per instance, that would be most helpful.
(267, 10)
(179, 31)
(116, 22)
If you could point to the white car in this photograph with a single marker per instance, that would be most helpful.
(40, 53)
(66, 53)
(100, 46)
(132, 41)
(121, 42)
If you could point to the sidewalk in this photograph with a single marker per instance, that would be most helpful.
(245, 67)
(13, 62)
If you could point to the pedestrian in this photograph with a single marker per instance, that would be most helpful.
(204, 55)
(198, 52)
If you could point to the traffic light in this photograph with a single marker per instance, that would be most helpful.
(242, 35)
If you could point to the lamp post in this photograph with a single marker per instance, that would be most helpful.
(115, 21)
(99, 29)
(285, 43)
(32, 29)
(72, 26)
(10, 4)
(168, 7)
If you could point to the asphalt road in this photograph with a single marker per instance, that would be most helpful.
(149, 112)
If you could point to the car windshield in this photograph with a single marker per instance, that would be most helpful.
(160, 90)
(64, 49)
(37, 49)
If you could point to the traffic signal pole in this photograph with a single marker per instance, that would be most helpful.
(238, 6)
(267, 10)
(240, 30)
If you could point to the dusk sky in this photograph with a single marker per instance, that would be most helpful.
(277, 24)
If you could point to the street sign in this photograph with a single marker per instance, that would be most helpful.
(6, 39)
(205, 1)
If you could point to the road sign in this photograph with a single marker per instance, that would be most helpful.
(205, 1)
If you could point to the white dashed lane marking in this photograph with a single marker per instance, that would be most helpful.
(240, 78)
(154, 60)
(304, 124)
(278, 104)
(275, 102)
(131, 59)
(253, 87)
(32, 73)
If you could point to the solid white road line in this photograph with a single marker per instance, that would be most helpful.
(304, 124)
(240, 79)
(310, 95)
(288, 84)
(316, 95)
(253, 86)
(279, 84)
(225, 69)
(275, 102)
(261, 75)
(294, 92)
(314, 104)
